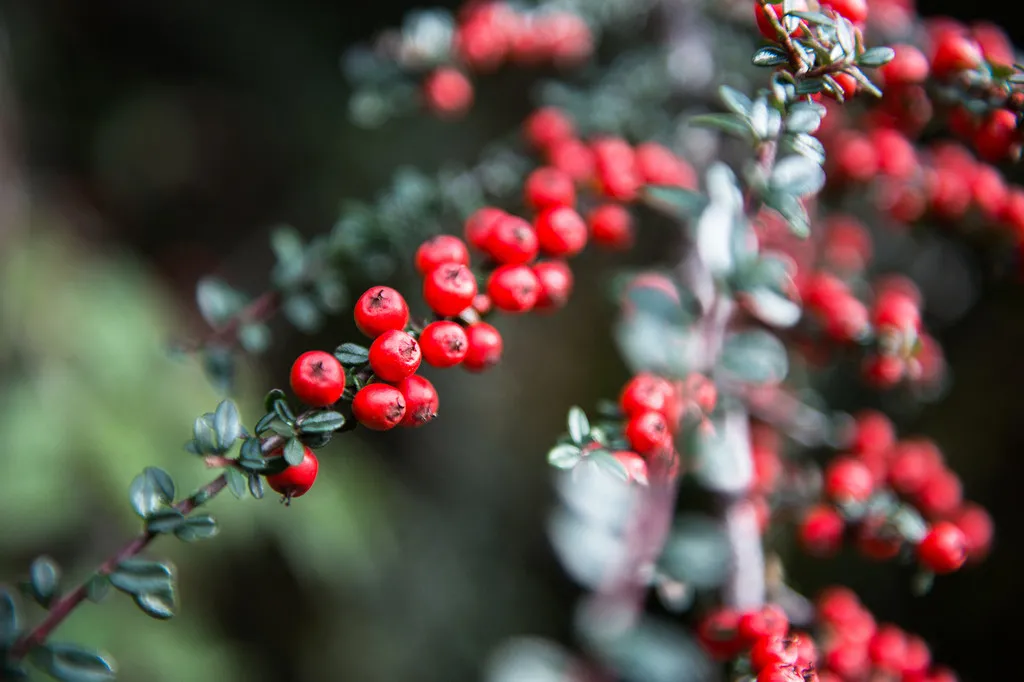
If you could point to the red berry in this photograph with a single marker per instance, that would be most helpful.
(873, 433)
(855, 157)
(856, 11)
(549, 187)
(648, 392)
(847, 243)
(659, 166)
(296, 480)
(764, 25)
(443, 343)
(479, 224)
(848, 660)
(997, 135)
(547, 126)
(955, 52)
(876, 540)
(897, 157)
(636, 467)
(716, 632)
(512, 241)
(574, 158)
(943, 549)
(513, 288)
(821, 531)
(917, 658)
(888, 649)
(908, 66)
(883, 371)
(379, 407)
(976, 525)
(420, 400)
(561, 231)
(317, 378)
(989, 191)
(780, 672)
(381, 309)
(768, 621)
(913, 464)
(449, 289)
(485, 347)
(448, 92)
(837, 605)
(482, 304)
(895, 310)
(611, 226)
(767, 469)
(848, 480)
(994, 43)
(648, 432)
(618, 174)
(394, 355)
(556, 282)
(444, 248)
(941, 494)
(771, 650)
(847, 84)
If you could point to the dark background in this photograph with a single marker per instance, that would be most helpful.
(170, 136)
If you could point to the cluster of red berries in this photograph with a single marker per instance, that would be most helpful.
(492, 33)
(913, 470)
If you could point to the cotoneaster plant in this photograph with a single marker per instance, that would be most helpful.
(839, 140)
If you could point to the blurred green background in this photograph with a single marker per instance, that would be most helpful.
(147, 144)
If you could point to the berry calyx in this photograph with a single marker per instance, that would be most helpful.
(449, 289)
(317, 378)
(556, 280)
(513, 288)
(561, 231)
(943, 549)
(443, 343)
(296, 480)
(444, 248)
(485, 347)
(379, 407)
(421, 400)
(394, 355)
(381, 309)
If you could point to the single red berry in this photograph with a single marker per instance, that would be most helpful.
(381, 309)
(512, 241)
(994, 43)
(317, 378)
(648, 432)
(379, 407)
(989, 191)
(556, 280)
(485, 347)
(837, 605)
(873, 432)
(611, 226)
(771, 650)
(888, 649)
(561, 231)
(897, 157)
(912, 465)
(821, 531)
(448, 92)
(296, 480)
(659, 166)
(883, 371)
(548, 126)
(847, 243)
(764, 25)
(917, 658)
(997, 135)
(848, 660)
(635, 465)
(855, 157)
(848, 85)
(848, 480)
(444, 248)
(449, 289)
(716, 632)
(768, 621)
(976, 525)
(767, 469)
(549, 187)
(513, 288)
(955, 52)
(780, 672)
(908, 66)
(895, 310)
(806, 650)
(482, 304)
(845, 318)
(573, 157)
(940, 495)
(856, 11)
(443, 343)
(618, 174)
(648, 392)
(943, 549)
(394, 355)
(421, 400)
(479, 224)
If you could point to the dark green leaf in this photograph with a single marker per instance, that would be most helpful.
(792, 209)
(97, 588)
(217, 301)
(727, 123)
(164, 520)
(697, 552)
(252, 450)
(148, 491)
(205, 435)
(755, 357)
(352, 354)
(9, 625)
(139, 576)
(197, 528)
(263, 425)
(321, 422)
(227, 424)
(236, 482)
(607, 463)
(770, 55)
(254, 337)
(302, 312)
(256, 486)
(735, 101)
(809, 86)
(797, 175)
(273, 395)
(294, 451)
(813, 18)
(876, 56)
(283, 411)
(219, 365)
(44, 576)
(564, 456)
(683, 203)
(579, 425)
(159, 605)
(72, 663)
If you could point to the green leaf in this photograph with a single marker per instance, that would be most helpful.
(321, 422)
(754, 357)
(331, 292)
(286, 243)
(197, 528)
(727, 123)
(579, 425)
(876, 56)
(256, 486)
(804, 117)
(72, 663)
(683, 203)
(254, 337)
(770, 55)
(797, 175)
(697, 552)
(352, 354)
(97, 588)
(263, 425)
(9, 625)
(564, 456)
(273, 395)
(252, 449)
(44, 577)
(236, 482)
(150, 490)
(227, 424)
(283, 411)
(294, 451)
(765, 120)
(793, 210)
(810, 86)
(204, 434)
(217, 301)
(735, 101)
(162, 483)
(164, 521)
(805, 145)
(606, 462)
(813, 18)
(159, 605)
(140, 576)
(763, 284)
(301, 311)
